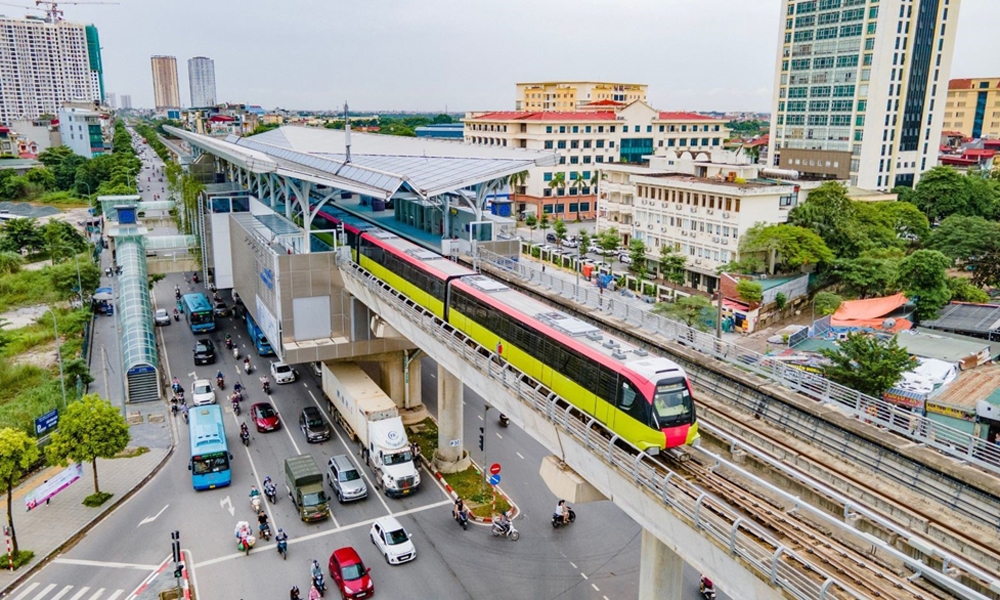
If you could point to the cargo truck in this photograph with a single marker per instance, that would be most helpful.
(371, 418)
(304, 482)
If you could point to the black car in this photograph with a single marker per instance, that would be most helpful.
(313, 425)
(204, 352)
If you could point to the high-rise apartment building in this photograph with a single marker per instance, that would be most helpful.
(574, 95)
(201, 76)
(973, 107)
(112, 100)
(860, 88)
(126, 101)
(166, 92)
(43, 64)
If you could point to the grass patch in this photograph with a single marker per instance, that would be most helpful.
(132, 452)
(22, 558)
(63, 199)
(468, 483)
(95, 500)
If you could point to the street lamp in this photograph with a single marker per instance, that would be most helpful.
(62, 378)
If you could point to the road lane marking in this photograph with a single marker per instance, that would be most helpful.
(153, 518)
(480, 417)
(27, 591)
(97, 594)
(320, 534)
(361, 468)
(62, 592)
(572, 564)
(227, 503)
(116, 594)
(47, 589)
(498, 435)
(108, 565)
(284, 424)
(584, 575)
(79, 594)
(519, 455)
(256, 476)
(596, 589)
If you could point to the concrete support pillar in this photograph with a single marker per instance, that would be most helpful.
(414, 375)
(660, 570)
(391, 367)
(450, 458)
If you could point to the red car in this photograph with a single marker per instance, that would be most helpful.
(265, 417)
(350, 574)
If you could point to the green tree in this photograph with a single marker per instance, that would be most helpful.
(780, 300)
(543, 224)
(868, 276)
(63, 276)
(826, 303)
(264, 127)
(609, 240)
(558, 182)
(986, 267)
(693, 311)
(943, 191)
(672, 264)
(831, 215)
(10, 262)
(584, 239)
(637, 254)
(904, 218)
(443, 119)
(961, 238)
(787, 248)
(16, 187)
(532, 223)
(18, 452)
(750, 291)
(963, 290)
(22, 234)
(516, 181)
(867, 364)
(559, 229)
(89, 429)
(923, 278)
(53, 156)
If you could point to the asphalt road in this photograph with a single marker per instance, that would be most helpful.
(595, 558)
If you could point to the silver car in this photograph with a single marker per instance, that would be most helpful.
(345, 480)
(162, 317)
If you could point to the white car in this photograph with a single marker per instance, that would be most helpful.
(161, 317)
(392, 541)
(625, 258)
(283, 373)
(202, 392)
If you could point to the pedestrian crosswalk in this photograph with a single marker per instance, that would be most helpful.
(55, 591)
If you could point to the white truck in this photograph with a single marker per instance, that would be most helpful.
(371, 418)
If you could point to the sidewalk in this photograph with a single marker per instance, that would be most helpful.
(48, 528)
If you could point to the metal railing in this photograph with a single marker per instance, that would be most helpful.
(875, 411)
(761, 551)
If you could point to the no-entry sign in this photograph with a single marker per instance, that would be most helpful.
(494, 468)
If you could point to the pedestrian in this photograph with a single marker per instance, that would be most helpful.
(543, 268)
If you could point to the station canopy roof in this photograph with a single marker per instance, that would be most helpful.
(380, 164)
(134, 306)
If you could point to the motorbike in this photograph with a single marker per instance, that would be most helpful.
(177, 387)
(283, 549)
(220, 382)
(557, 519)
(707, 588)
(272, 493)
(504, 420)
(177, 293)
(255, 503)
(266, 385)
(320, 584)
(499, 531)
(265, 531)
(236, 407)
(229, 343)
(236, 353)
(246, 544)
(247, 367)
(177, 315)
(245, 438)
(194, 277)
(462, 518)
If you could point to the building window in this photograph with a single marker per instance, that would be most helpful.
(548, 144)
(600, 143)
(546, 176)
(586, 143)
(561, 145)
(562, 129)
(547, 192)
(574, 160)
(547, 209)
(576, 129)
(573, 207)
(599, 159)
(586, 160)
(574, 144)
(548, 129)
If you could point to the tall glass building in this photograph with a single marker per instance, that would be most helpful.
(201, 77)
(860, 88)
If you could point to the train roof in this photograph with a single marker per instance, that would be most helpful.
(653, 368)
(431, 260)
(346, 218)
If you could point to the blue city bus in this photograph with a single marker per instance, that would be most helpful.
(209, 452)
(200, 315)
(259, 339)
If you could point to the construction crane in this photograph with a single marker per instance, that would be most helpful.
(21, 6)
(54, 15)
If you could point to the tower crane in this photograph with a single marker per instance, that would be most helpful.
(54, 14)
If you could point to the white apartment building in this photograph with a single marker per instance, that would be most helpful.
(112, 100)
(85, 131)
(126, 101)
(586, 140)
(700, 204)
(201, 79)
(44, 64)
(860, 88)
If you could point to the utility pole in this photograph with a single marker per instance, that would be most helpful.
(482, 442)
(718, 316)
(62, 378)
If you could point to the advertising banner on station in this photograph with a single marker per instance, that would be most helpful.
(53, 486)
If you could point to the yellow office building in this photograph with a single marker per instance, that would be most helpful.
(575, 95)
(973, 107)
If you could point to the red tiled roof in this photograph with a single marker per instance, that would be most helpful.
(957, 160)
(983, 152)
(3, 129)
(606, 102)
(221, 119)
(523, 115)
(960, 84)
(991, 144)
(952, 133)
(685, 116)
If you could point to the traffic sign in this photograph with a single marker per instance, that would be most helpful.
(494, 480)
(494, 468)
(47, 422)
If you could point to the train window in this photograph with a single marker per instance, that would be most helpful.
(672, 403)
(627, 397)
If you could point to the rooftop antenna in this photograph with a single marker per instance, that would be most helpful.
(347, 132)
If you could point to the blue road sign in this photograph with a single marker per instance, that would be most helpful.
(47, 422)
(494, 480)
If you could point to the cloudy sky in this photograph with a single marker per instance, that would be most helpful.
(467, 55)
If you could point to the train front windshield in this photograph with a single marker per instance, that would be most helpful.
(672, 403)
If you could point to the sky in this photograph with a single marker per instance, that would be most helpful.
(429, 55)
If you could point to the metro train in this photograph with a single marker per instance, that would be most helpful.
(646, 400)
